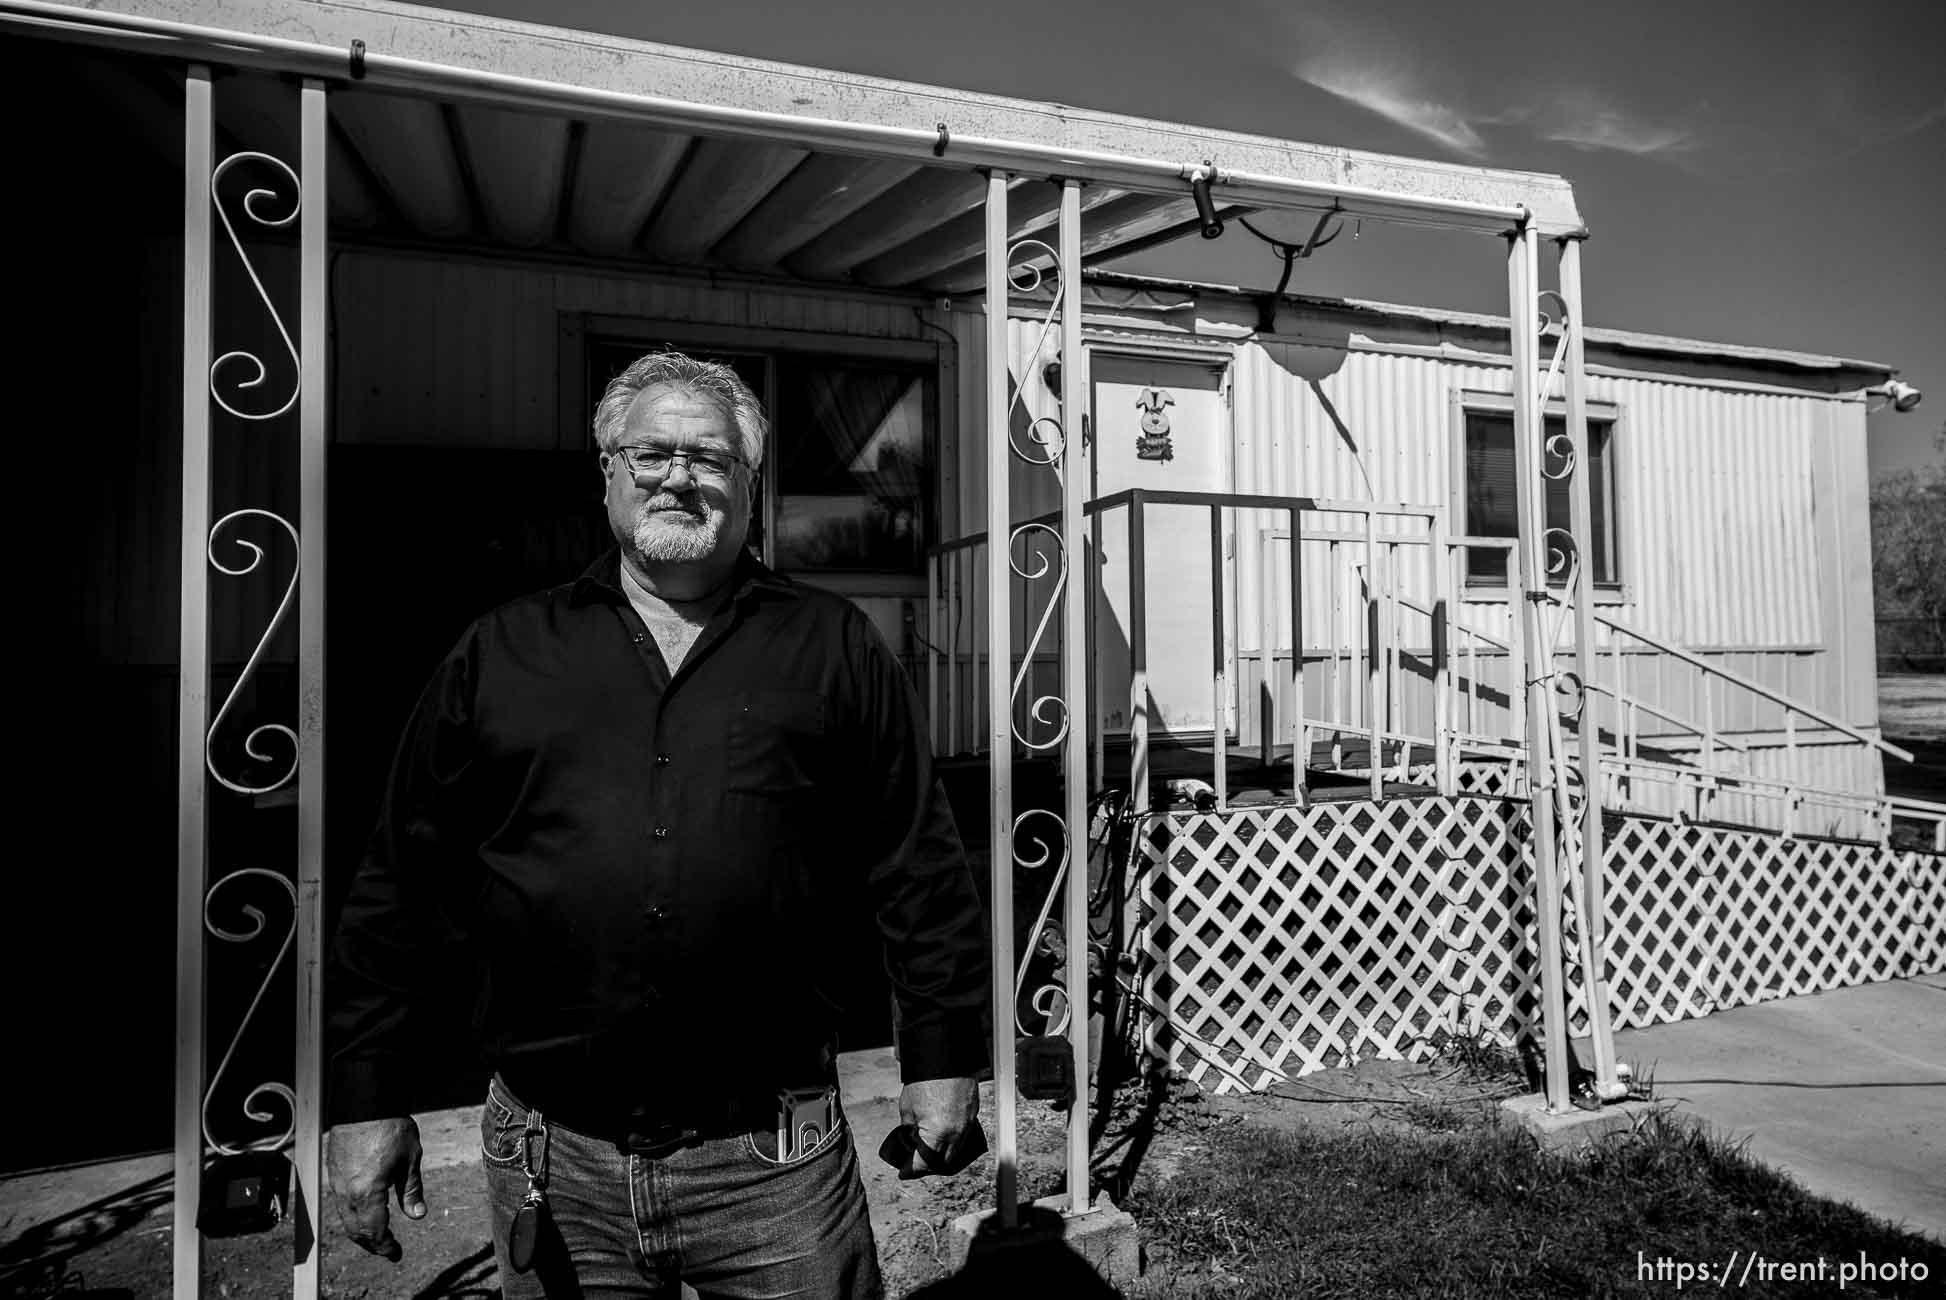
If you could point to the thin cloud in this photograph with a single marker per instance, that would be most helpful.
(1388, 94)
(1398, 74)
(1614, 130)
(1937, 113)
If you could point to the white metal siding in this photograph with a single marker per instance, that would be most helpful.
(1730, 527)
(1715, 487)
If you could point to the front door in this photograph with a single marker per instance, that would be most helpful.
(1163, 424)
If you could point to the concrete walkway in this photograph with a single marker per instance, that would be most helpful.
(1845, 1090)
(93, 1199)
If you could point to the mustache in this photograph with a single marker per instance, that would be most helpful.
(670, 501)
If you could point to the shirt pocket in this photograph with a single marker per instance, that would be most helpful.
(776, 742)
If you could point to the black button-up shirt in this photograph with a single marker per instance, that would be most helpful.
(654, 866)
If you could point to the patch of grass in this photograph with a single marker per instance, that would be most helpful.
(1487, 1212)
(1479, 1054)
(1434, 1116)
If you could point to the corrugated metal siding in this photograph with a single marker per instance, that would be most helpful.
(1714, 498)
(1717, 519)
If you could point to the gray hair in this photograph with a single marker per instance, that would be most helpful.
(711, 380)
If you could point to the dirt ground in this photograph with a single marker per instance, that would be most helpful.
(123, 1249)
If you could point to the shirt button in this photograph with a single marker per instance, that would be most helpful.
(662, 760)
(662, 832)
(654, 914)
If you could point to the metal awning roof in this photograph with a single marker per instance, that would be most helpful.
(1159, 290)
(456, 127)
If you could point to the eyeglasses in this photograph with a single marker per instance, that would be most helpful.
(656, 462)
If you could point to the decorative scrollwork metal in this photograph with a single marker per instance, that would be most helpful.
(1032, 558)
(1048, 853)
(1561, 447)
(1047, 1000)
(253, 928)
(252, 743)
(1564, 568)
(1042, 705)
(1547, 319)
(251, 208)
(1569, 686)
(1563, 556)
(1046, 432)
(1025, 277)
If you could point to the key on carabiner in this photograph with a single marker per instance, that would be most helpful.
(524, 1235)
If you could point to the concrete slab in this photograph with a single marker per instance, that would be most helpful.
(1574, 1127)
(1846, 1090)
(1046, 1239)
(78, 1199)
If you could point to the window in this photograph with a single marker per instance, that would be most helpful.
(1488, 502)
(853, 464)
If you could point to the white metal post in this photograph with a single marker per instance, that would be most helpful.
(1594, 924)
(1517, 606)
(1300, 730)
(1394, 657)
(1219, 665)
(1522, 274)
(313, 438)
(1092, 589)
(1374, 652)
(1000, 747)
(1138, 653)
(1074, 681)
(1440, 571)
(1338, 696)
(1266, 657)
(192, 833)
(982, 619)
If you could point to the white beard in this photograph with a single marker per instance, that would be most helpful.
(666, 533)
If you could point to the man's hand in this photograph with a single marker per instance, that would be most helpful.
(369, 1160)
(943, 1113)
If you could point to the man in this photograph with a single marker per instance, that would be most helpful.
(652, 797)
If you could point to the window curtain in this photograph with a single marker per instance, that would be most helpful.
(847, 408)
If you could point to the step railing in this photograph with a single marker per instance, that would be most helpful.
(1361, 647)
(1702, 786)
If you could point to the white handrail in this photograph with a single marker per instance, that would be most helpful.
(1755, 688)
(1378, 599)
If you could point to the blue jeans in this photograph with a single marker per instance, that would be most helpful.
(725, 1216)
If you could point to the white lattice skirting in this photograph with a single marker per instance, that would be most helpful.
(1275, 941)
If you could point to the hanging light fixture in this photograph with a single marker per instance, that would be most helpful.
(1199, 183)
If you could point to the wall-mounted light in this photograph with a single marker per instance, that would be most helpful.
(1900, 395)
(1199, 183)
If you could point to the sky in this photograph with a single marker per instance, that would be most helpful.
(1770, 173)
